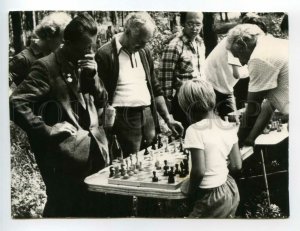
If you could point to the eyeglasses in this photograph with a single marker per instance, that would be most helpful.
(191, 25)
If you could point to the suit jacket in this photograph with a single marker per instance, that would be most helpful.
(52, 94)
(108, 70)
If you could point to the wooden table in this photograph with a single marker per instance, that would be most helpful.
(264, 141)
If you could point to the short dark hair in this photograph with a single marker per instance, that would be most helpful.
(183, 16)
(284, 26)
(82, 23)
(256, 21)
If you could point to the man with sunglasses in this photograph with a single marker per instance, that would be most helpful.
(182, 60)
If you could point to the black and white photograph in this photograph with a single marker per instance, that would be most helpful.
(148, 114)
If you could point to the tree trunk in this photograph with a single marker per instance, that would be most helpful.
(209, 34)
(29, 25)
(17, 30)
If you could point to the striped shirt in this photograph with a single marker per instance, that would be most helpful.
(268, 70)
(180, 61)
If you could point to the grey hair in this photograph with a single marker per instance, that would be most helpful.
(243, 35)
(52, 25)
(136, 20)
(196, 96)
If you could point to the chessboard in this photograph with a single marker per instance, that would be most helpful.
(163, 168)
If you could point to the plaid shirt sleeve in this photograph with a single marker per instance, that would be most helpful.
(166, 69)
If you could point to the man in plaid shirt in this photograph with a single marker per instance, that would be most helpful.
(182, 60)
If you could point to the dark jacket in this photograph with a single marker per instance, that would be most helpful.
(108, 70)
(50, 95)
(20, 64)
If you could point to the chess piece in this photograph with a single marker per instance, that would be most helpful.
(176, 169)
(130, 173)
(157, 165)
(154, 178)
(153, 147)
(140, 167)
(123, 169)
(171, 174)
(130, 157)
(117, 172)
(166, 168)
(186, 166)
(159, 143)
(182, 170)
(170, 139)
(111, 171)
(126, 176)
(181, 145)
(126, 161)
(146, 152)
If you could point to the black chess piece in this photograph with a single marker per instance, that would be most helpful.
(122, 169)
(182, 170)
(186, 166)
(154, 178)
(177, 171)
(159, 143)
(146, 152)
(181, 146)
(166, 168)
(111, 171)
(153, 147)
(170, 139)
(171, 174)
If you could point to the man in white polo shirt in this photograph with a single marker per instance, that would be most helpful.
(223, 71)
(127, 71)
(267, 59)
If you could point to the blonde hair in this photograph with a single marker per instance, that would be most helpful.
(52, 25)
(136, 20)
(196, 97)
(243, 36)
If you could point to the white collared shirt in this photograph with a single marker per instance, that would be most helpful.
(218, 69)
(131, 90)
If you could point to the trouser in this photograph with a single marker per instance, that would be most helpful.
(225, 104)
(219, 202)
(241, 92)
(134, 128)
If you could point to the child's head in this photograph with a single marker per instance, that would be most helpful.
(196, 98)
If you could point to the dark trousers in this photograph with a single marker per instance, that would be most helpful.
(225, 103)
(134, 128)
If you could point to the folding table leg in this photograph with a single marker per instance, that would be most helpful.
(265, 175)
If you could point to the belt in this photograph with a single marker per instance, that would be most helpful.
(132, 109)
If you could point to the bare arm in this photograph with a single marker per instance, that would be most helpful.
(174, 125)
(252, 112)
(198, 169)
(235, 158)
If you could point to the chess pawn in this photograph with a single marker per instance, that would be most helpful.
(177, 169)
(171, 175)
(111, 172)
(159, 143)
(126, 176)
(157, 165)
(135, 171)
(154, 178)
(153, 147)
(130, 157)
(126, 161)
(130, 173)
(166, 167)
(140, 167)
(123, 169)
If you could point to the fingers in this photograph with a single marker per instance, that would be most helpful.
(67, 127)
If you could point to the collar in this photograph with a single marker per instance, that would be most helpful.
(186, 40)
(119, 45)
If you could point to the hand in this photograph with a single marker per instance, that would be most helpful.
(175, 127)
(64, 128)
(88, 66)
(249, 141)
